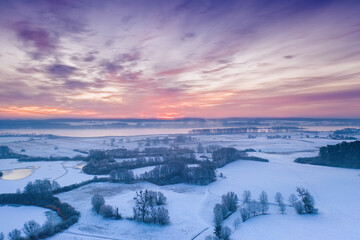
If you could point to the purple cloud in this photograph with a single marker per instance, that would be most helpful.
(60, 70)
(35, 37)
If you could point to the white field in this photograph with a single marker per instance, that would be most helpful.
(336, 192)
(65, 173)
(13, 216)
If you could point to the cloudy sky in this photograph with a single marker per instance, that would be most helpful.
(189, 58)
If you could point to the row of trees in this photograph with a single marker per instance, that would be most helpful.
(251, 208)
(179, 172)
(102, 162)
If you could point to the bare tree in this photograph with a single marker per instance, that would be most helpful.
(282, 207)
(264, 202)
(15, 235)
(280, 200)
(245, 214)
(236, 223)
(218, 214)
(246, 197)
(254, 208)
(293, 199)
(225, 233)
(279, 197)
(31, 229)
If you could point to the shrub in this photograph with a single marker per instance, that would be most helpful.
(97, 201)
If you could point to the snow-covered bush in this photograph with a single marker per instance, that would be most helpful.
(97, 201)
(106, 211)
(299, 207)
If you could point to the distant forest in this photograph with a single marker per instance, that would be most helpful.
(345, 154)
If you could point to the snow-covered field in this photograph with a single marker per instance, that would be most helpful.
(336, 191)
(65, 173)
(12, 216)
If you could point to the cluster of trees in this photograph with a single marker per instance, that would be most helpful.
(107, 211)
(122, 175)
(148, 207)
(24, 158)
(154, 141)
(77, 185)
(39, 193)
(306, 204)
(113, 153)
(251, 208)
(179, 172)
(6, 152)
(104, 161)
(228, 205)
(345, 154)
(224, 156)
(278, 136)
(1, 173)
(41, 187)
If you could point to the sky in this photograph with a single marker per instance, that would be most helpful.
(175, 59)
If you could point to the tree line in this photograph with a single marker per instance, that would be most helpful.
(345, 154)
(249, 208)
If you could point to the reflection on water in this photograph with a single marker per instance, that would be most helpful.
(16, 174)
(80, 165)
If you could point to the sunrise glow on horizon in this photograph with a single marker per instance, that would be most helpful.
(176, 59)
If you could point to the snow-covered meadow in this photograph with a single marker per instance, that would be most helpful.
(14, 216)
(336, 190)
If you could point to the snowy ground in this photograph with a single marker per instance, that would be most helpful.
(336, 191)
(65, 173)
(13, 216)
